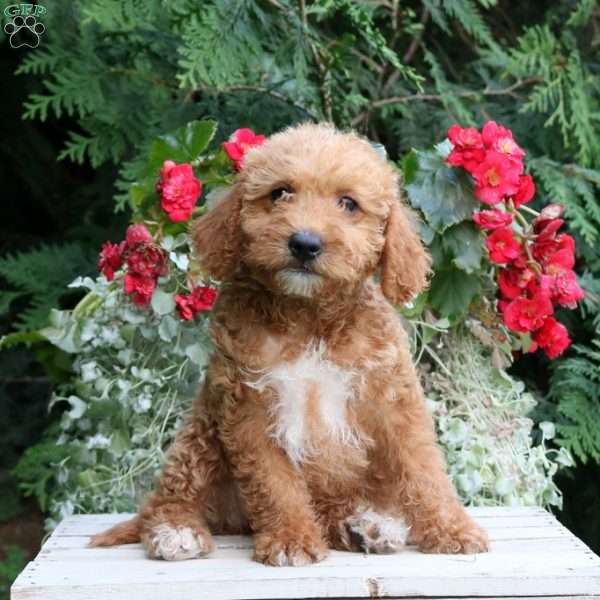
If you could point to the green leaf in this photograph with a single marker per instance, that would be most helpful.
(165, 148)
(197, 353)
(62, 331)
(41, 276)
(410, 165)
(163, 303)
(25, 337)
(415, 307)
(120, 442)
(452, 290)
(88, 478)
(199, 135)
(526, 341)
(444, 194)
(168, 328)
(6, 299)
(182, 145)
(460, 246)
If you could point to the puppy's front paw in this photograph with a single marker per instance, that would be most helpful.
(467, 539)
(288, 551)
(177, 543)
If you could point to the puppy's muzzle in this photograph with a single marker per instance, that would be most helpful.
(305, 246)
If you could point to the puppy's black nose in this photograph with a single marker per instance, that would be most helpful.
(305, 245)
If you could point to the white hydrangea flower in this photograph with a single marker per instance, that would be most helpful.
(98, 442)
(142, 403)
(88, 331)
(89, 371)
(110, 335)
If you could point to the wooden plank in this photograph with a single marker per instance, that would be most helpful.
(180, 581)
(519, 560)
(411, 562)
(532, 555)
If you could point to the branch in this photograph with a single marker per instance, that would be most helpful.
(146, 76)
(259, 90)
(409, 54)
(507, 91)
(416, 41)
(323, 71)
(368, 61)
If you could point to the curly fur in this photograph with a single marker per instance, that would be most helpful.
(311, 409)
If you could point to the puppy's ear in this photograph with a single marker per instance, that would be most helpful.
(216, 236)
(404, 262)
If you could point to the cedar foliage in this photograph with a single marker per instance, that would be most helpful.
(399, 72)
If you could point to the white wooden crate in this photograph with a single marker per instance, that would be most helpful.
(532, 555)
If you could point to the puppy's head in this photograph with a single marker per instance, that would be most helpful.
(314, 211)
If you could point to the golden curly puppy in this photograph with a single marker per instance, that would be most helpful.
(311, 429)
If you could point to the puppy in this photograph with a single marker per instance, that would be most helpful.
(311, 430)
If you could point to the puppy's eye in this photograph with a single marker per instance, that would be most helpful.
(279, 192)
(348, 204)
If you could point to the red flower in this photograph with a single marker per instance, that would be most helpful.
(547, 229)
(543, 248)
(239, 143)
(184, 307)
(467, 149)
(492, 219)
(140, 288)
(527, 314)
(111, 258)
(559, 262)
(566, 291)
(540, 285)
(502, 246)
(201, 299)
(137, 234)
(552, 337)
(551, 212)
(496, 177)
(565, 241)
(561, 279)
(500, 139)
(512, 282)
(525, 192)
(179, 190)
(147, 261)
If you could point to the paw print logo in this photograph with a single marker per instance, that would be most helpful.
(24, 31)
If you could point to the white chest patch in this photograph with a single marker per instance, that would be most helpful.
(312, 401)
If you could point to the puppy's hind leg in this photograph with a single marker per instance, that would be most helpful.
(173, 521)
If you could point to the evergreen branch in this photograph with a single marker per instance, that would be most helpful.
(324, 88)
(145, 76)
(259, 90)
(412, 49)
(487, 91)
(416, 41)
